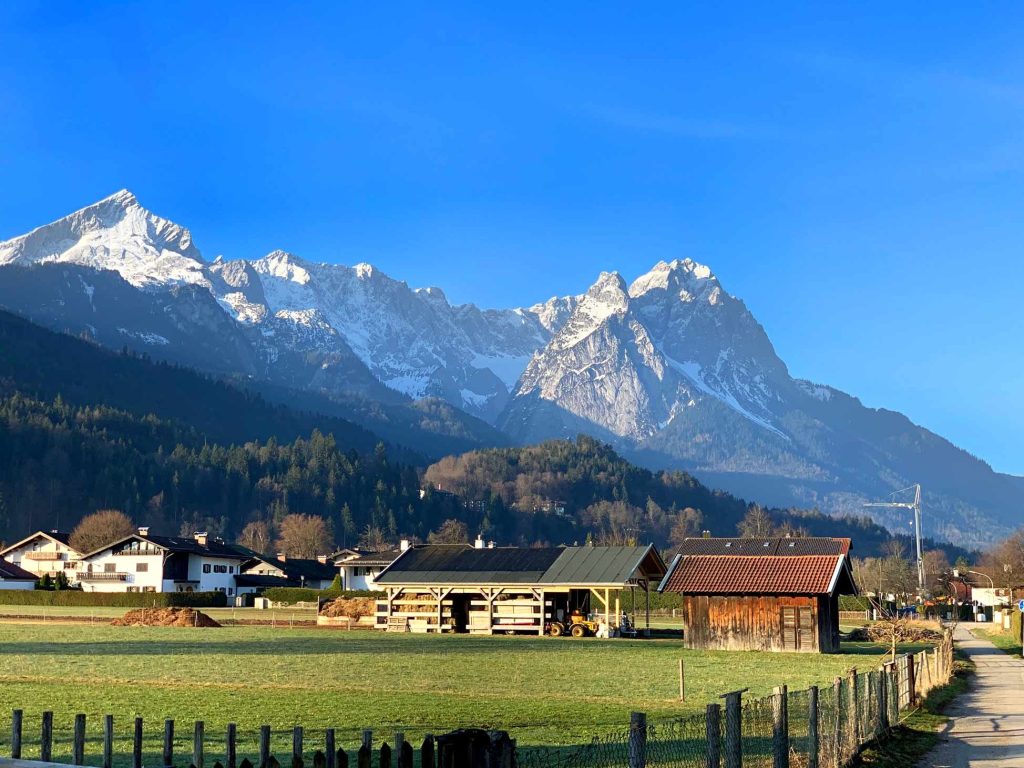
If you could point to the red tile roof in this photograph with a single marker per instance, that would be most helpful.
(752, 574)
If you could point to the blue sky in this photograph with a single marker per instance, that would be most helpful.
(855, 173)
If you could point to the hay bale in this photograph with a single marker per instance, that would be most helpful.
(164, 617)
(351, 607)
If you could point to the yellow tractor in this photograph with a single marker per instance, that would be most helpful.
(576, 625)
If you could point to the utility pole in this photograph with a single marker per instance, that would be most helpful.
(916, 506)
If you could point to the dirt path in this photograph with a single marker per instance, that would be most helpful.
(986, 729)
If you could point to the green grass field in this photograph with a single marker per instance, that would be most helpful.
(543, 690)
(1004, 641)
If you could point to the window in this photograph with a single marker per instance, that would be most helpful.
(231, 590)
(231, 569)
(206, 567)
(141, 567)
(220, 569)
(108, 567)
(149, 589)
(133, 589)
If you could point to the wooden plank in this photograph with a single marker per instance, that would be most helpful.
(168, 755)
(108, 741)
(78, 741)
(231, 745)
(46, 737)
(264, 746)
(137, 744)
(197, 744)
(17, 717)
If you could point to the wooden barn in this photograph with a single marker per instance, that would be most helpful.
(485, 590)
(761, 594)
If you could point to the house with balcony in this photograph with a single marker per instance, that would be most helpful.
(45, 553)
(262, 571)
(143, 562)
(359, 570)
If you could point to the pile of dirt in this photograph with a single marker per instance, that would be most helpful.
(352, 607)
(164, 617)
(906, 632)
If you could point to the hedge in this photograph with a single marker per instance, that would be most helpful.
(1015, 620)
(291, 595)
(69, 597)
(854, 603)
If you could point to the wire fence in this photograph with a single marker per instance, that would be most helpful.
(819, 727)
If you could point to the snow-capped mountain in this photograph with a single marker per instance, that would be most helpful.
(671, 368)
(414, 342)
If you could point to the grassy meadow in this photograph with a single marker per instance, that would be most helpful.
(545, 691)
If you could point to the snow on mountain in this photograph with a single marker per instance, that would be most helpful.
(116, 234)
(671, 368)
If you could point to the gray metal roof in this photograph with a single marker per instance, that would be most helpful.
(575, 566)
(604, 565)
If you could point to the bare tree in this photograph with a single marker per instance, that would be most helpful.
(256, 536)
(305, 536)
(374, 539)
(756, 524)
(103, 527)
(450, 532)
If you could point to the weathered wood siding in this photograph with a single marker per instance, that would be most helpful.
(755, 623)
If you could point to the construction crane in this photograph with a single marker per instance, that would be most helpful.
(916, 506)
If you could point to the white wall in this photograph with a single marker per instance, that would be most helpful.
(39, 567)
(149, 580)
(221, 576)
(361, 577)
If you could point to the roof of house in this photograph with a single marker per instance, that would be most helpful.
(372, 559)
(212, 548)
(778, 546)
(749, 574)
(12, 572)
(295, 568)
(463, 564)
(60, 536)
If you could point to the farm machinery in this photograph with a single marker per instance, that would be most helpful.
(578, 625)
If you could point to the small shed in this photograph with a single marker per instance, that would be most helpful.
(779, 594)
(459, 588)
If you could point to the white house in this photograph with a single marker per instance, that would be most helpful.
(261, 571)
(358, 572)
(14, 577)
(45, 553)
(146, 563)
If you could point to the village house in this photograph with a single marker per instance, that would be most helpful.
(143, 562)
(14, 577)
(261, 571)
(45, 553)
(359, 570)
(779, 594)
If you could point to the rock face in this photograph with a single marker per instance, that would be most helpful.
(670, 368)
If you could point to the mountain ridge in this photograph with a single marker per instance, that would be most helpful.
(670, 368)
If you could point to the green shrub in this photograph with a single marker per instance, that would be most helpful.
(853, 603)
(116, 599)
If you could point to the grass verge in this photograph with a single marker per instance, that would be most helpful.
(918, 734)
(1004, 641)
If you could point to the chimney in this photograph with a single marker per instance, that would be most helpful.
(322, 559)
(403, 545)
(144, 530)
(200, 537)
(479, 543)
(282, 556)
(490, 545)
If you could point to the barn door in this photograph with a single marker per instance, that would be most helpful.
(797, 628)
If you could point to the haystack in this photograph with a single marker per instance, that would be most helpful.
(164, 617)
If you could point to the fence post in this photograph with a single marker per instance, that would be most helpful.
(197, 744)
(108, 741)
(780, 728)
(46, 738)
(16, 720)
(397, 750)
(734, 730)
(168, 743)
(231, 745)
(637, 740)
(264, 746)
(331, 754)
(427, 752)
(813, 741)
(296, 744)
(137, 744)
(837, 740)
(365, 756)
(911, 681)
(385, 755)
(78, 741)
(713, 730)
(856, 726)
(883, 699)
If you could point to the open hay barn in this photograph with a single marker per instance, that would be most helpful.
(459, 588)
